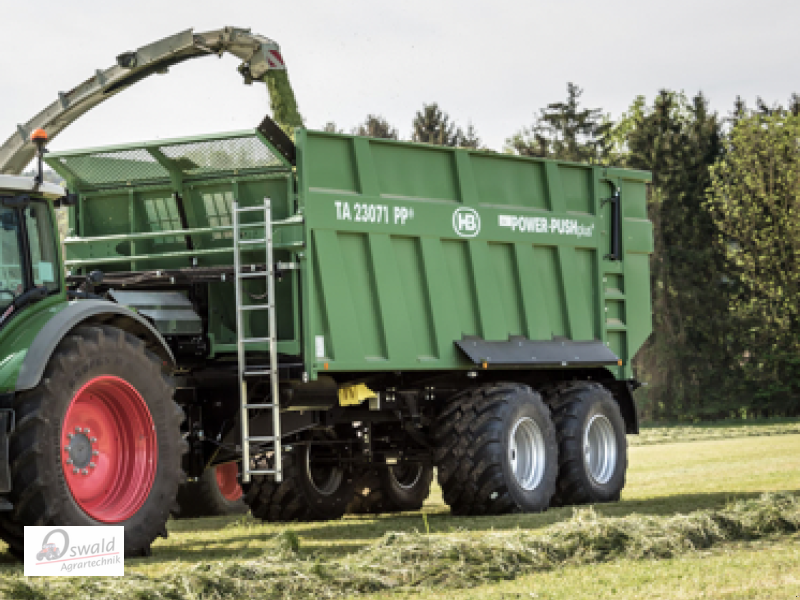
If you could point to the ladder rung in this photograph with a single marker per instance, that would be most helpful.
(252, 274)
(251, 242)
(249, 209)
(261, 472)
(243, 225)
(259, 405)
(258, 372)
(261, 438)
(256, 340)
(256, 307)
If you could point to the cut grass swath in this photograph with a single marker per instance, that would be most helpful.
(414, 561)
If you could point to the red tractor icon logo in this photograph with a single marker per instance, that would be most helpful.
(49, 552)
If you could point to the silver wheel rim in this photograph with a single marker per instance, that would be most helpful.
(600, 449)
(408, 476)
(324, 481)
(526, 453)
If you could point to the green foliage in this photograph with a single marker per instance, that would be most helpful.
(689, 357)
(565, 131)
(282, 100)
(433, 126)
(469, 138)
(376, 126)
(754, 198)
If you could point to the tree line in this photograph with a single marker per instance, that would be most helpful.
(725, 207)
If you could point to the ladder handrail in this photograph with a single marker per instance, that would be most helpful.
(242, 339)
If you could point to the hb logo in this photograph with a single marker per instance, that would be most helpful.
(466, 222)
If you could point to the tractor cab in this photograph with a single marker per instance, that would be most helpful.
(29, 259)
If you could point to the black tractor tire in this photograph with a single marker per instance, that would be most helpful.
(305, 494)
(205, 498)
(41, 492)
(477, 448)
(396, 488)
(588, 413)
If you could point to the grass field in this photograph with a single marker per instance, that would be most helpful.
(665, 478)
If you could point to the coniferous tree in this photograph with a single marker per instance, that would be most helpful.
(376, 126)
(689, 353)
(469, 137)
(433, 126)
(565, 131)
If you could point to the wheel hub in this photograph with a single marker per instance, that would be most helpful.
(526, 453)
(79, 451)
(600, 449)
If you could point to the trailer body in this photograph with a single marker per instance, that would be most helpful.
(402, 257)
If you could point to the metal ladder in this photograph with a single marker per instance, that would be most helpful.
(242, 342)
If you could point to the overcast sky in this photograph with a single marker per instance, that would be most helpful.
(493, 63)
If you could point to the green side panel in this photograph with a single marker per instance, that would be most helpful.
(505, 288)
(577, 189)
(414, 247)
(434, 169)
(459, 276)
(510, 182)
(413, 298)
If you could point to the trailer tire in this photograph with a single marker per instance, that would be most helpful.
(303, 495)
(397, 488)
(496, 451)
(102, 394)
(216, 493)
(588, 419)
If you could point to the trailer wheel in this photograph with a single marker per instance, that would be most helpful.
(593, 449)
(496, 451)
(308, 492)
(397, 488)
(216, 492)
(97, 442)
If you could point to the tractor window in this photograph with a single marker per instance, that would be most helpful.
(12, 283)
(44, 256)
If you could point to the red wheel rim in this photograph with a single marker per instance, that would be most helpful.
(109, 449)
(228, 481)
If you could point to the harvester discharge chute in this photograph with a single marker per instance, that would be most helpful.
(259, 55)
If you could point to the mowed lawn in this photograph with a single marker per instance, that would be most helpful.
(663, 479)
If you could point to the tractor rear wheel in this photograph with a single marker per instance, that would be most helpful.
(216, 492)
(397, 488)
(98, 441)
(311, 490)
(496, 451)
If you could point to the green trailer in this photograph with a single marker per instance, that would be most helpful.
(413, 292)
(338, 316)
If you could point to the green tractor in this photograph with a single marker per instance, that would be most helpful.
(90, 431)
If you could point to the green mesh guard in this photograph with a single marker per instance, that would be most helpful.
(152, 162)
